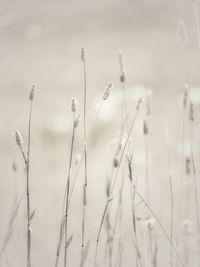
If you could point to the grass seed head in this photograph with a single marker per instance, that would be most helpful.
(191, 111)
(188, 166)
(107, 90)
(122, 72)
(83, 55)
(32, 92)
(122, 76)
(115, 162)
(18, 138)
(77, 120)
(145, 128)
(74, 104)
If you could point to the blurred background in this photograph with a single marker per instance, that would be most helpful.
(41, 43)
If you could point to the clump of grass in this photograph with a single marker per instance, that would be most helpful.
(115, 178)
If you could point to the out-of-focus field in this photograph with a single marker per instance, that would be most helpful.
(40, 43)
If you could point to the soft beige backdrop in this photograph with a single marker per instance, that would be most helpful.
(40, 43)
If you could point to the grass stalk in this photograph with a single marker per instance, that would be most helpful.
(191, 117)
(68, 191)
(99, 231)
(28, 181)
(132, 197)
(171, 199)
(160, 224)
(116, 176)
(83, 58)
(26, 157)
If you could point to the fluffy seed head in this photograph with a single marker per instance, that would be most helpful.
(74, 104)
(77, 121)
(18, 138)
(107, 90)
(191, 111)
(32, 92)
(83, 55)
